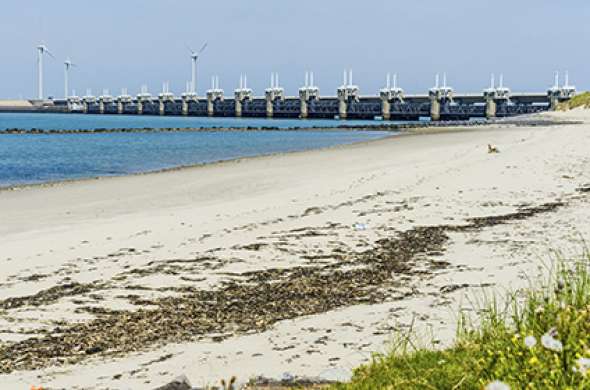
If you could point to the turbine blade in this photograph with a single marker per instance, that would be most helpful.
(189, 48)
(203, 48)
(49, 53)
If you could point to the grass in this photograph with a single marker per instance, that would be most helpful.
(580, 100)
(539, 339)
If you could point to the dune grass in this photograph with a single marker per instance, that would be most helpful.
(580, 100)
(538, 339)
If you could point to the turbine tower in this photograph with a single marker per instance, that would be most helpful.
(68, 65)
(194, 57)
(41, 51)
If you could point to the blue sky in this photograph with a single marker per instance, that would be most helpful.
(128, 43)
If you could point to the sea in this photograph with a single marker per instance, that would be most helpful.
(41, 158)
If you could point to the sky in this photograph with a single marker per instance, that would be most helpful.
(129, 43)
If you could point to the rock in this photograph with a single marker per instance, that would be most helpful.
(180, 383)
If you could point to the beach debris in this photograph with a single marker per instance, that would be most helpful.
(453, 287)
(520, 214)
(50, 295)
(251, 247)
(493, 149)
(359, 227)
(311, 211)
(253, 302)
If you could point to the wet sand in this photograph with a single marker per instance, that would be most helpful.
(302, 263)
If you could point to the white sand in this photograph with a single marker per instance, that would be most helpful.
(70, 229)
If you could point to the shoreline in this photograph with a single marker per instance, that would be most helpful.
(355, 242)
(400, 130)
(236, 160)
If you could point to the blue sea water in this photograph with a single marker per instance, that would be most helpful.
(86, 122)
(34, 158)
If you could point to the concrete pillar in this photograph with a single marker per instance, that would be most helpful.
(553, 102)
(304, 108)
(162, 107)
(240, 96)
(210, 106)
(139, 107)
(434, 108)
(238, 107)
(342, 107)
(304, 97)
(212, 96)
(120, 107)
(385, 108)
(85, 107)
(101, 106)
(345, 93)
(269, 105)
(184, 107)
(491, 107)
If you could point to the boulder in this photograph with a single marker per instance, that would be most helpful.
(180, 383)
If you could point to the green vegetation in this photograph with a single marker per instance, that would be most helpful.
(539, 340)
(580, 100)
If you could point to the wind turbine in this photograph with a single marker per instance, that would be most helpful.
(195, 56)
(41, 50)
(68, 64)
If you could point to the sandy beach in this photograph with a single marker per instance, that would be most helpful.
(299, 264)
